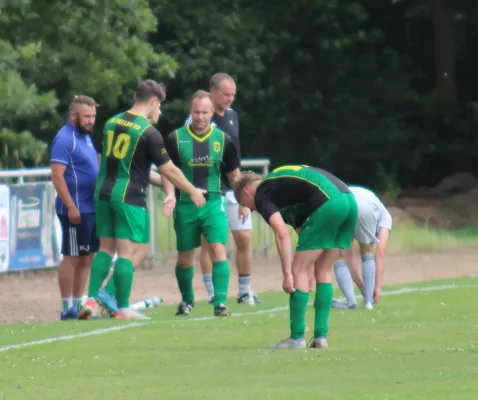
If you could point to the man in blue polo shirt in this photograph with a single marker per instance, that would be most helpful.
(74, 170)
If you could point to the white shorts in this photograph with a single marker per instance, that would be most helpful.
(372, 215)
(232, 209)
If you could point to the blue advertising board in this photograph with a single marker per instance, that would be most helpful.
(32, 241)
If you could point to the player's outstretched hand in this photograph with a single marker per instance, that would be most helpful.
(168, 205)
(288, 284)
(243, 214)
(198, 197)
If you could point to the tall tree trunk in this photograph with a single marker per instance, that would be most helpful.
(443, 16)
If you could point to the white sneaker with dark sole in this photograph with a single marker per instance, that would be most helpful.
(289, 343)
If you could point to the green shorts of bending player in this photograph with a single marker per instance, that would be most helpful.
(190, 222)
(122, 221)
(331, 226)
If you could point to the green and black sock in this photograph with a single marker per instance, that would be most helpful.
(298, 308)
(99, 271)
(123, 276)
(323, 302)
(184, 276)
(220, 281)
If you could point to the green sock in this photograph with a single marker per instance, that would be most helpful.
(99, 271)
(110, 287)
(184, 276)
(298, 307)
(324, 293)
(123, 276)
(220, 281)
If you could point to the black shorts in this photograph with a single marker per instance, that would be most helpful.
(79, 239)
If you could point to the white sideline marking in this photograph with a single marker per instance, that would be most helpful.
(70, 337)
(405, 290)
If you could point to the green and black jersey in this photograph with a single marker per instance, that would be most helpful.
(296, 191)
(130, 145)
(202, 158)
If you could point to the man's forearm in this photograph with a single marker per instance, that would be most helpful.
(178, 179)
(155, 179)
(62, 190)
(168, 187)
(285, 253)
(379, 263)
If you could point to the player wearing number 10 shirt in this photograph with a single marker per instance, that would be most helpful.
(130, 145)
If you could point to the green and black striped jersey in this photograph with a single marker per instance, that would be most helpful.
(130, 145)
(296, 192)
(202, 158)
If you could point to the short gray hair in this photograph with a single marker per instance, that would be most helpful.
(217, 79)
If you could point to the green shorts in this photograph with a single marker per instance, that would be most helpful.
(122, 221)
(331, 226)
(190, 222)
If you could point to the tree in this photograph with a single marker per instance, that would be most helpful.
(91, 47)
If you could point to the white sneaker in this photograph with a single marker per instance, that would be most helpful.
(319, 343)
(368, 306)
(289, 343)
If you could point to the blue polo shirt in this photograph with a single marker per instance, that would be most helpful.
(77, 152)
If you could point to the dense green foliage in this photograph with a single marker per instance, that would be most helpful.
(381, 92)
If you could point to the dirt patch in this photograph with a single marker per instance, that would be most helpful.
(451, 204)
(34, 296)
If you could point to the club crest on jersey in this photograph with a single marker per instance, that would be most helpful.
(216, 146)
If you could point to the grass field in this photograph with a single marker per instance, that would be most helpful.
(418, 342)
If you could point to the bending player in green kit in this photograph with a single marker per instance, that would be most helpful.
(322, 207)
(202, 152)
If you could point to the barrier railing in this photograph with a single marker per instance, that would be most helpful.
(30, 234)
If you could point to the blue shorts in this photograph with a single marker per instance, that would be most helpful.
(81, 239)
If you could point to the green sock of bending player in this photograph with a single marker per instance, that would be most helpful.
(110, 287)
(99, 271)
(298, 308)
(123, 276)
(184, 276)
(323, 301)
(220, 281)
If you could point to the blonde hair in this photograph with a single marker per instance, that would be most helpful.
(246, 178)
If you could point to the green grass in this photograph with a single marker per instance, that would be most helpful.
(410, 346)
(412, 238)
(406, 238)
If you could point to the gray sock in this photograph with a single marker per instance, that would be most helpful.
(344, 279)
(207, 279)
(368, 276)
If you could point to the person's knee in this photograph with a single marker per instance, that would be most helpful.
(242, 240)
(366, 249)
(185, 259)
(70, 261)
(84, 261)
(107, 245)
(218, 252)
